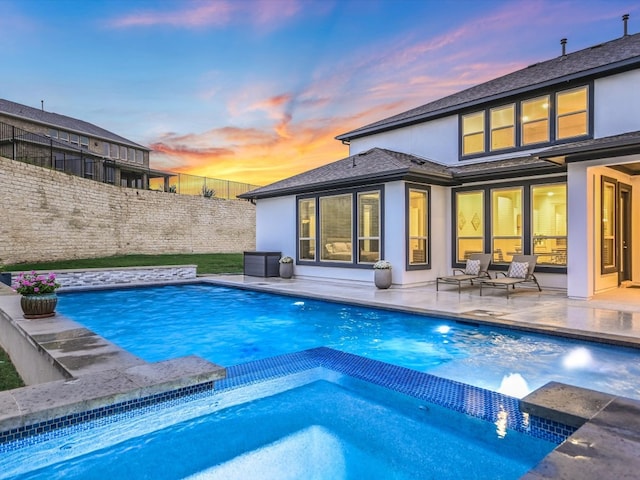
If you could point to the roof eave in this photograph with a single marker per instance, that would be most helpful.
(585, 153)
(594, 72)
(390, 176)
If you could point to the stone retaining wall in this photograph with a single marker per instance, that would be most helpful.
(100, 277)
(48, 215)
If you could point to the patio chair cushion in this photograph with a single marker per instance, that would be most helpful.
(518, 270)
(472, 268)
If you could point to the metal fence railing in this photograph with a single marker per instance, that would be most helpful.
(185, 184)
(28, 147)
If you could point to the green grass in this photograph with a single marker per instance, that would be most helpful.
(9, 378)
(206, 262)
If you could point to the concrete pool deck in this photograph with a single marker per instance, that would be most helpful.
(605, 446)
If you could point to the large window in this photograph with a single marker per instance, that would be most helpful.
(368, 227)
(341, 229)
(525, 218)
(544, 119)
(473, 133)
(506, 223)
(418, 226)
(307, 229)
(549, 223)
(608, 218)
(469, 224)
(336, 228)
(503, 127)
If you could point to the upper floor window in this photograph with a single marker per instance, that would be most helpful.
(535, 120)
(572, 113)
(473, 133)
(503, 127)
(541, 120)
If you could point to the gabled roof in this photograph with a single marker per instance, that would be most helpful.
(380, 165)
(616, 55)
(56, 120)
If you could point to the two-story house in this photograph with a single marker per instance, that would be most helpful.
(543, 161)
(64, 143)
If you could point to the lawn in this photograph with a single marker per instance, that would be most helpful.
(9, 378)
(206, 262)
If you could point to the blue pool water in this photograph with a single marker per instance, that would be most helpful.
(231, 326)
(308, 425)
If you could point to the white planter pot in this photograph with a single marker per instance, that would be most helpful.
(382, 277)
(286, 270)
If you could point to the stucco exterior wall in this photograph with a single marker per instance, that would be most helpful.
(49, 215)
(616, 104)
(436, 140)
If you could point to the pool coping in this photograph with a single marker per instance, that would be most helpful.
(601, 431)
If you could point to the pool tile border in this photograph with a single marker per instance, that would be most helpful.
(474, 401)
(468, 399)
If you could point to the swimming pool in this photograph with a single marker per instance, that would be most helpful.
(230, 326)
(324, 414)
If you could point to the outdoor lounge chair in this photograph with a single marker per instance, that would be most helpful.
(520, 271)
(477, 268)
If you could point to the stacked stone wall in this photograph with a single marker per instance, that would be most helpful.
(48, 215)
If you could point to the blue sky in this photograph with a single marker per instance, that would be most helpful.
(256, 90)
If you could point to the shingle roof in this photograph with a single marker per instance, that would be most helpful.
(377, 164)
(62, 121)
(381, 165)
(589, 62)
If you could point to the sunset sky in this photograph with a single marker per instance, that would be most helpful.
(256, 90)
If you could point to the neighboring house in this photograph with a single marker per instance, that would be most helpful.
(545, 161)
(71, 145)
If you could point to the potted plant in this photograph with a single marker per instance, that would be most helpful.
(38, 294)
(286, 267)
(382, 274)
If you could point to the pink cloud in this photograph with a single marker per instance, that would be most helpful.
(203, 13)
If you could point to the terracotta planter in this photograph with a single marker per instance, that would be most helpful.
(39, 306)
(286, 270)
(382, 277)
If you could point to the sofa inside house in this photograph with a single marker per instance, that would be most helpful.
(342, 250)
(336, 249)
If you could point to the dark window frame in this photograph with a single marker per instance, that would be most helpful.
(427, 189)
(605, 270)
(527, 234)
(354, 227)
(553, 117)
